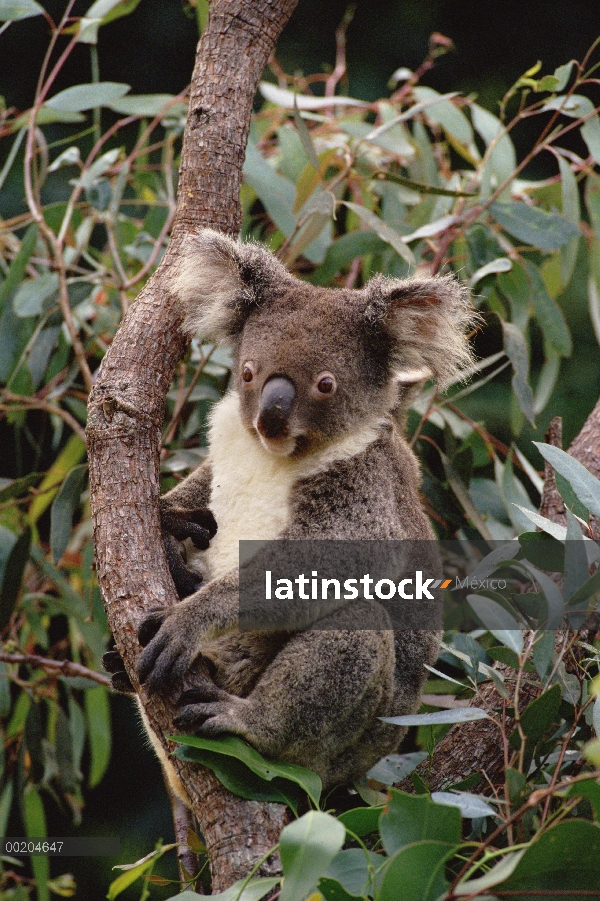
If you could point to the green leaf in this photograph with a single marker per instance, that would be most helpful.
(13, 10)
(383, 231)
(254, 890)
(587, 788)
(501, 161)
(541, 714)
(562, 75)
(548, 314)
(571, 211)
(35, 827)
(565, 857)
(395, 767)
(63, 509)
(543, 653)
(13, 575)
(344, 251)
(577, 570)
(414, 818)
(543, 551)
(87, 96)
(533, 225)
(97, 713)
(497, 620)
(497, 874)
(132, 872)
(584, 484)
(148, 105)
(502, 264)
(69, 456)
(232, 759)
(517, 352)
(590, 132)
(460, 715)
(17, 268)
(30, 296)
(470, 806)
(19, 487)
(417, 872)
(307, 847)
(100, 13)
(444, 113)
(361, 820)
(5, 805)
(353, 870)
(305, 138)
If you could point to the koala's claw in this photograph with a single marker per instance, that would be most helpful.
(150, 625)
(120, 681)
(167, 655)
(207, 710)
(199, 525)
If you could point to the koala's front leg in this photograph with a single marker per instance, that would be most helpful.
(172, 637)
(184, 514)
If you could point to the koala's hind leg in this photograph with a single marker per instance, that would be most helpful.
(309, 714)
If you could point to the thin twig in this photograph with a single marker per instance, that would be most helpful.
(57, 667)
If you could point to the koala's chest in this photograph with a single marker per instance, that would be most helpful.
(250, 491)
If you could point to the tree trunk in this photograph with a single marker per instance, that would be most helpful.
(126, 407)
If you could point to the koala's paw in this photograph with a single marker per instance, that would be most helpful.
(198, 524)
(120, 681)
(186, 581)
(209, 711)
(168, 652)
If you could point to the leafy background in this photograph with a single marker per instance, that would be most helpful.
(501, 188)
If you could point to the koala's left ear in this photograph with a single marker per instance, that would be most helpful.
(427, 319)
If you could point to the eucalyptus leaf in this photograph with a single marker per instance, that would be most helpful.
(517, 352)
(383, 231)
(584, 484)
(14, 10)
(470, 806)
(209, 750)
(416, 873)
(566, 856)
(440, 717)
(414, 818)
(541, 714)
(29, 298)
(63, 509)
(307, 847)
(533, 225)
(87, 96)
(497, 620)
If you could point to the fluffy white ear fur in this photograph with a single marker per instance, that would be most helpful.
(428, 320)
(208, 283)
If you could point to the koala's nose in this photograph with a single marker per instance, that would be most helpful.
(276, 402)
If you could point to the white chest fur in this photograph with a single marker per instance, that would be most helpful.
(251, 488)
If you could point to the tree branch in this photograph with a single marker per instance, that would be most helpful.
(126, 407)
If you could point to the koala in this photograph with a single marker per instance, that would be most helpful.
(306, 444)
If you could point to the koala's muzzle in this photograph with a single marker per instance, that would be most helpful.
(276, 403)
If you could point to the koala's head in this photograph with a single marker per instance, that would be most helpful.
(315, 364)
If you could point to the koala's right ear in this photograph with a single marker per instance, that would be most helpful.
(218, 281)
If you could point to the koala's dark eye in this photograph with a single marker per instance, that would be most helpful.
(326, 384)
(247, 374)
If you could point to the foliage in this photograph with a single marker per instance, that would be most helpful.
(340, 189)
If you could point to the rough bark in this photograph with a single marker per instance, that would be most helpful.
(126, 407)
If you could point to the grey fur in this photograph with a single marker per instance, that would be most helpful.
(310, 697)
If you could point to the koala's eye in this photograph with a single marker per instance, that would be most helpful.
(326, 383)
(247, 373)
